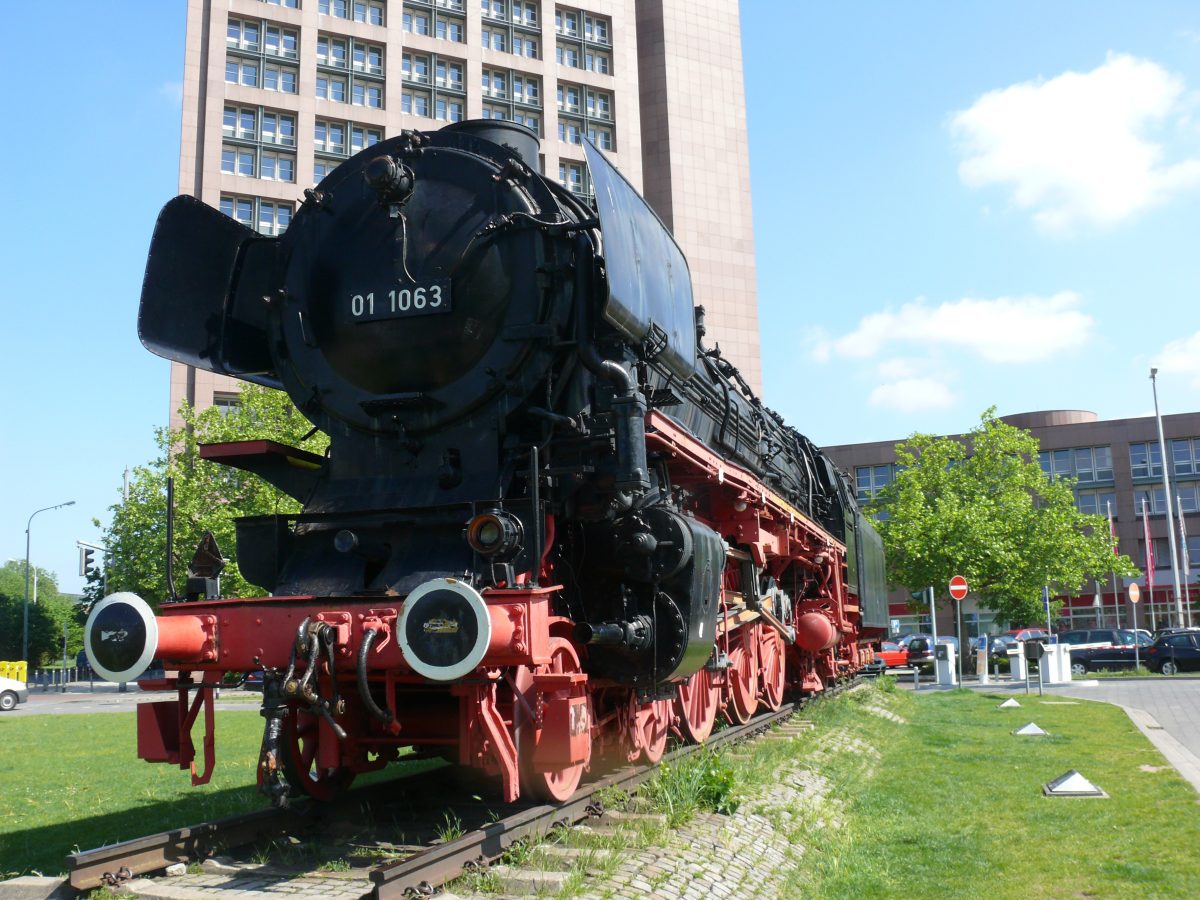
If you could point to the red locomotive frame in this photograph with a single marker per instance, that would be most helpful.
(529, 713)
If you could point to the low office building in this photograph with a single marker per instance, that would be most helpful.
(1117, 464)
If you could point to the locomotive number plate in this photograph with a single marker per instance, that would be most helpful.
(400, 302)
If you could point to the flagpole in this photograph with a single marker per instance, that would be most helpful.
(1167, 459)
(1187, 563)
(1149, 563)
(1116, 543)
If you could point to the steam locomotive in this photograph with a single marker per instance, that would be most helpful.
(552, 526)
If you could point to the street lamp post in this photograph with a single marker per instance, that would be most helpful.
(28, 525)
(1166, 464)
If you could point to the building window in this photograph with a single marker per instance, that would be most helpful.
(241, 71)
(566, 21)
(338, 8)
(330, 137)
(415, 67)
(870, 480)
(595, 29)
(415, 103)
(595, 61)
(527, 89)
(1188, 497)
(569, 131)
(361, 138)
(331, 87)
(448, 110)
(495, 83)
(277, 166)
(530, 121)
(570, 176)
(239, 208)
(279, 78)
(237, 160)
(369, 11)
(240, 122)
(493, 9)
(416, 22)
(1185, 456)
(567, 55)
(290, 4)
(367, 95)
(273, 217)
(451, 29)
(449, 74)
(599, 105)
(1096, 502)
(494, 39)
(568, 98)
(601, 137)
(331, 51)
(321, 169)
(1086, 464)
(1152, 499)
(368, 58)
(242, 34)
(1145, 460)
(525, 12)
(456, 5)
(525, 46)
(278, 128)
(281, 42)
(492, 111)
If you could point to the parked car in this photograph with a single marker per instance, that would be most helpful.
(1001, 646)
(12, 692)
(921, 649)
(1131, 648)
(1097, 637)
(1174, 653)
(1029, 634)
(252, 681)
(891, 654)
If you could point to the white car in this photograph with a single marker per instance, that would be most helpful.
(11, 693)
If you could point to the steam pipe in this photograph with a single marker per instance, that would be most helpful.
(364, 687)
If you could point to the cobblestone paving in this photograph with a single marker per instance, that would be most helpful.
(749, 853)
(242, 883)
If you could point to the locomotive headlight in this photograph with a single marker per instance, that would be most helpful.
(495, 533)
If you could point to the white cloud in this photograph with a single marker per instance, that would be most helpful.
(897, 368)
(1003, 330)
(173, 91)
(1181, 357)
(1074, 149)
(912, 395)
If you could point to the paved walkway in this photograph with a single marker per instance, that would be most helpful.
(81, 697)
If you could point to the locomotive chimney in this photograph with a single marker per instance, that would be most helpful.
(519, 139)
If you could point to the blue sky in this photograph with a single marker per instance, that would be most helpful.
(956, 205)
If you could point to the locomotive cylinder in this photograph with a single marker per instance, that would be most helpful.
(815, 632)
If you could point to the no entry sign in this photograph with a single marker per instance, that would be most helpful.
(958, 587)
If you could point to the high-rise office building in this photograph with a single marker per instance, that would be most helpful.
(278, 92)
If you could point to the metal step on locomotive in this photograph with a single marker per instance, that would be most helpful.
(551, 527)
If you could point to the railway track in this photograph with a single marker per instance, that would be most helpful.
(435, 857)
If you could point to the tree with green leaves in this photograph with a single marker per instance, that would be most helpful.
(981, 506)
(208, 496)
(49, 610)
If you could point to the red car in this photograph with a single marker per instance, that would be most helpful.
(891, 654)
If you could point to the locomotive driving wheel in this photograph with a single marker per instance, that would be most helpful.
(302, 736)
(556, 784)
(648, 724)
(743, 684)
(771, 660)
(696, 705)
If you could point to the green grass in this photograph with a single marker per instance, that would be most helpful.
(74, 782)
(957, 807)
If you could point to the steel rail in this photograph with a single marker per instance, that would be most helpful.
(422, 872)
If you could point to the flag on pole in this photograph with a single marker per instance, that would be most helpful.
(1149, 551)
(1183, 539)
(1112, 528)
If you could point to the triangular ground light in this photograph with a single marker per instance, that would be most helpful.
(1030, 729)
(1072, 784)
(1009, 703)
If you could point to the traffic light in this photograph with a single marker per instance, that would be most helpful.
(86, 562)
